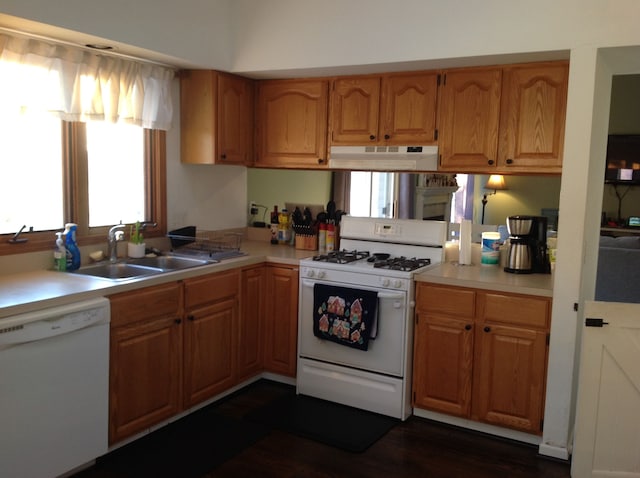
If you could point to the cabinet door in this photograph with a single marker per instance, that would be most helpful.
(210, 350)
(212, 314)
(251, 324)
(235, 119)
(408, 112)
(469, 119)
(355, 109)
(281, 321)
(534, 103)
(443, 362)
(509, 374)
(216, 118)
(145, 371)
(292, 123)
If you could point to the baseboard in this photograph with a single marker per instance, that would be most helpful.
(554, 451)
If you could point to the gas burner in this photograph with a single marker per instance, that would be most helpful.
(402, 263)
(341, 257)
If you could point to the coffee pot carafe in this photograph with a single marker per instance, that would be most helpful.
(527, 245)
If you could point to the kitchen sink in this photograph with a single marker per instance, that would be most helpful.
(119, 270)
(170, 263)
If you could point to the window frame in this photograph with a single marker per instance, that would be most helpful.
(75, 192)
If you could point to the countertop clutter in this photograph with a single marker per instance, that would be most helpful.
(34, 290)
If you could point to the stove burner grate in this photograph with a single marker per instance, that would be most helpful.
(402, 263)
(341, 257)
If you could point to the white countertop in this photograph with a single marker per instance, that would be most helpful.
(488, 277)
(28, 291)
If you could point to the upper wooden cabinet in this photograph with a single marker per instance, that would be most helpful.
(469, 119)
(292, 123)
(216, 118)
(393, 109)
(502, 120)
(534, 105)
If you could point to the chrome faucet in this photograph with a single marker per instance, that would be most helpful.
(116, 234)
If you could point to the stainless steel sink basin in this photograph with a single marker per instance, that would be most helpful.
(119, 270)
(170, 263)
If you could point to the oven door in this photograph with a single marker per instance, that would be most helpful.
(386, 353)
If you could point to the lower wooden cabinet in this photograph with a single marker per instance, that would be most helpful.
(145, 359)
(481, 355)
(281, 320)
(211, 327)
(251, 324)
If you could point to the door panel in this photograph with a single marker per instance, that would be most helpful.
(607, 432)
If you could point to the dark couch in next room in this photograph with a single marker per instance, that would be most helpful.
(618, 278)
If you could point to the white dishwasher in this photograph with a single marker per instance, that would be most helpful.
(54, 389)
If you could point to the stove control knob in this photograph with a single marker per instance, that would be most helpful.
(385, 282)
(321, 274)
(397, 283)
(310, 273)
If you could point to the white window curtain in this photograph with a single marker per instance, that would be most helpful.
(80, 85)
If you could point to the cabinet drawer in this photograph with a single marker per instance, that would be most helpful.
(514, 309)
(210, 288)
(446, 300)
(148, 303)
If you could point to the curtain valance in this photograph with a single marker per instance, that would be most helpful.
(80, 85)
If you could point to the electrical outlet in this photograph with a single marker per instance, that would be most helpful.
(253, 209)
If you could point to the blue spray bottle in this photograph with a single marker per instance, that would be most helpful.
(73, 252)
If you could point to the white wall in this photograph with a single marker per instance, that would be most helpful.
(295, 37)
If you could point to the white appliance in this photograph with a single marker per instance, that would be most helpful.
(377, 379)
(54, 389)
(384, 158)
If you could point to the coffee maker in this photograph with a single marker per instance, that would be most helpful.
(527, 245)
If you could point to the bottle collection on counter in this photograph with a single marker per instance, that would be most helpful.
(66, 255)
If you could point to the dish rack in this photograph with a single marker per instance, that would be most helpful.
(215, 246)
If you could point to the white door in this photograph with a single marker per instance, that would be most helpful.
(607, 431)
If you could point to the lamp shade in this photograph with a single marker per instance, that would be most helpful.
(496, 182)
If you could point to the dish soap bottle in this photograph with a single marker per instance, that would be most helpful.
(60, 254)
(73, 252)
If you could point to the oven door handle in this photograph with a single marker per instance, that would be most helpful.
(381, 295)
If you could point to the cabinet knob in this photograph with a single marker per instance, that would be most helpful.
(372, 137)
(191, 317)
(386, 136)
(178, 321)
(490, 162)
(223, 156)
(467, 327)
(487, 329)
(320, 161)
(509, 161)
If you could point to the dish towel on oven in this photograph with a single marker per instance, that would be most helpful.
(344, 315)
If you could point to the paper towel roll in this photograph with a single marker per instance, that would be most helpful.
(464, 256)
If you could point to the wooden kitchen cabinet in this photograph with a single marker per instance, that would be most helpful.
(443, 349)
(291, 123)
(481, 355)
(216, 118)
(469, 118)
(251, 324)
(394, 109)
(210, 340)
(281, 319)
(145, 359)
(503, 120)
(510, 360)
(534, 105)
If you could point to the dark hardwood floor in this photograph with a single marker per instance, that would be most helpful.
(414, 448)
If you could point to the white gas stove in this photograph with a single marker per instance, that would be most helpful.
(372, 274)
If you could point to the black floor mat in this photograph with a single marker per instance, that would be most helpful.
(344, 427)
(187, 448)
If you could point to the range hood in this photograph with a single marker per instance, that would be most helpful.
(384, 158)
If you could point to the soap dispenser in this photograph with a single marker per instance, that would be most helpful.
(60, 254)
(73, 252)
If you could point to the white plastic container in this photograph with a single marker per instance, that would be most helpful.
(490, 254)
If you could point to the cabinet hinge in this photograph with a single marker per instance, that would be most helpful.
(541, 423)
(575, 306)
(416, 319)
(414, 396)
(444, 79)
(435, 135)
(438, 80)
(548, 338)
